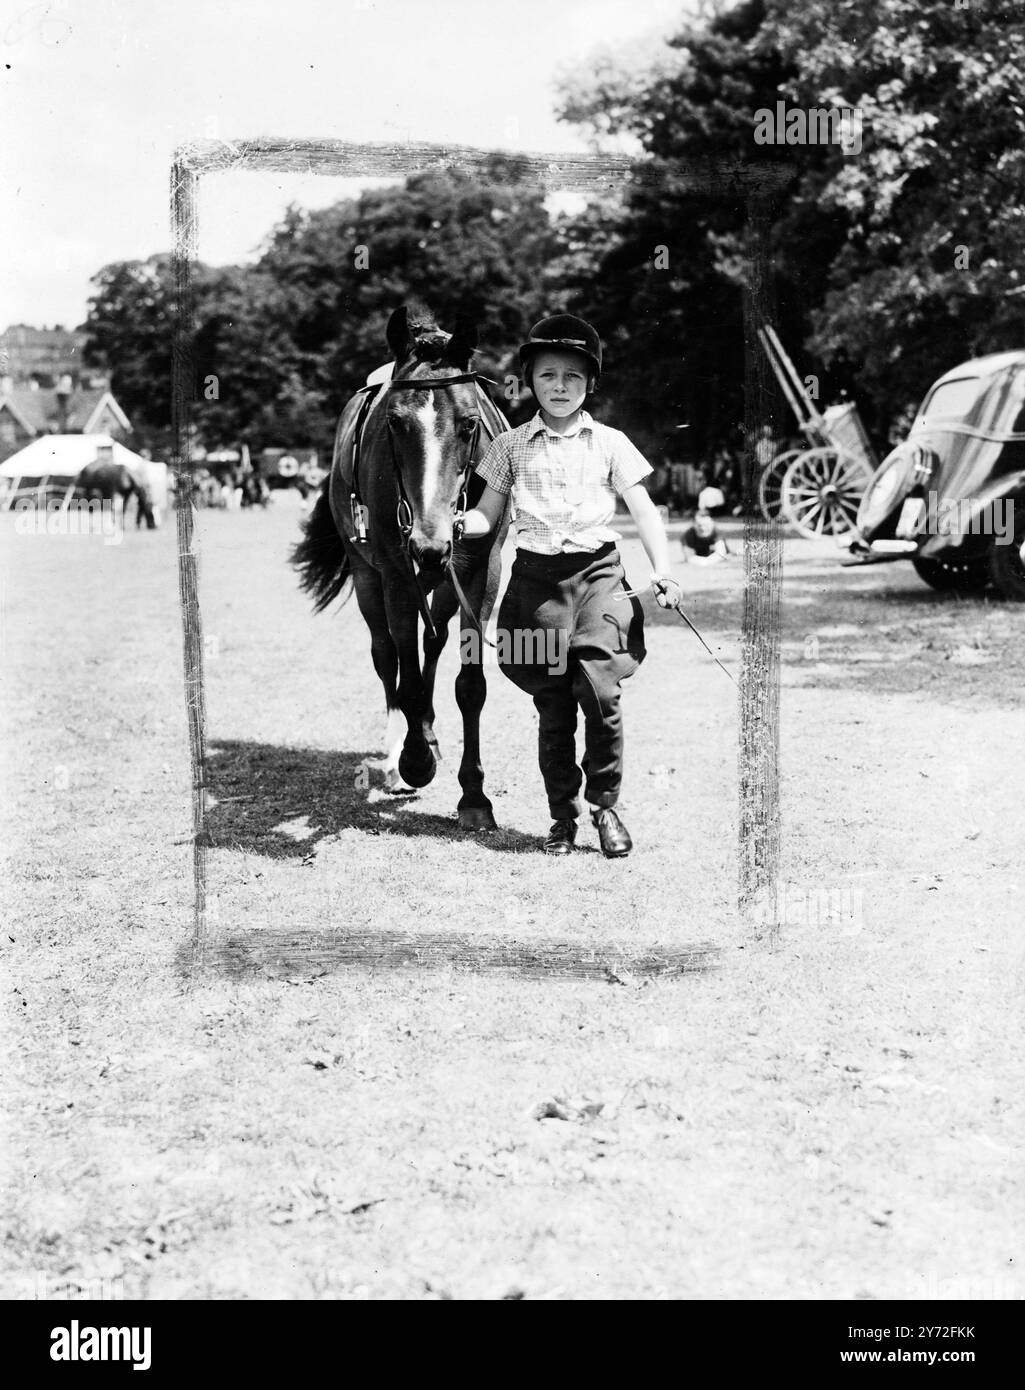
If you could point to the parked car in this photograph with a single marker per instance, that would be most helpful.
(951, 497)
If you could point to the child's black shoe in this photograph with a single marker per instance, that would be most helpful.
(613, 835)
(561, 837)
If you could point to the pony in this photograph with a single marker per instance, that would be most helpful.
(382, 525)
(104, 481)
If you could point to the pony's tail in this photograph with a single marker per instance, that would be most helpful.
(320, 557)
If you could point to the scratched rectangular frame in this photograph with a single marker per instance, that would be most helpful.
(759, 824)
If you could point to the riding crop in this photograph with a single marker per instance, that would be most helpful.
(677, 608)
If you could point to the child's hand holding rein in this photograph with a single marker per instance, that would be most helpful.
(482, 518)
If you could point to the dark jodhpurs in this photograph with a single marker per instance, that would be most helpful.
(601, 643)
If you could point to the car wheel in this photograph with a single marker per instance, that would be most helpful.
(957, 576)
(1007, 566)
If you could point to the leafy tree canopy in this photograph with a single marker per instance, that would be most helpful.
(891, 263)
(291, 337)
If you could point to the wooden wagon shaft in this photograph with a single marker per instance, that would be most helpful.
(808, 417)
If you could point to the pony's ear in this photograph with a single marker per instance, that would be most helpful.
(397, 333)
(463, 343)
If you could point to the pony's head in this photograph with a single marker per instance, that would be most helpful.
(432, 429)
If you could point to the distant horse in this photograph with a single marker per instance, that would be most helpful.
(403, 464)
(105, 481)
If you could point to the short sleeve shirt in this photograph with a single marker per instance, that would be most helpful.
(563, 486)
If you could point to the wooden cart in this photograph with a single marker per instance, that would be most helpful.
(816, 490)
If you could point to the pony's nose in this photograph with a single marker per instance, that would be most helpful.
(431, 555)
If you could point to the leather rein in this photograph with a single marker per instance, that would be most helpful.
(404, 512)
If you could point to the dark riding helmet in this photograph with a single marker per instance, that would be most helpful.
(562, 331)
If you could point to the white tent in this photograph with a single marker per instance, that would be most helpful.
(59, 458)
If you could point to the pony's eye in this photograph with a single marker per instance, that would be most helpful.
(467, 426)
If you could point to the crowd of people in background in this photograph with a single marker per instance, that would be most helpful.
(697, 492)
(701, 493)
(228, 488)
(677, 485)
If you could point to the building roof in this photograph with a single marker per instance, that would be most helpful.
(38, 414)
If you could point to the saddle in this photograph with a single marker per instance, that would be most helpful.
(359, 511)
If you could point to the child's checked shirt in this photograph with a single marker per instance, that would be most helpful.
(563, 486)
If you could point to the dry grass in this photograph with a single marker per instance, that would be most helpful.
(835, 1116)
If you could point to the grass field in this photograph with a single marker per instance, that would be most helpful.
(838, 1114)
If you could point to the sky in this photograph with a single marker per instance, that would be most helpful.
(95, 95)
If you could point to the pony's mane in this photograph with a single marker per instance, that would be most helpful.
(430, 347)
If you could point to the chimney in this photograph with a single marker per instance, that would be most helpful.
(64, 390)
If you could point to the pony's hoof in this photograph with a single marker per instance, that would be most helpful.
(476, 818)
(417, 774)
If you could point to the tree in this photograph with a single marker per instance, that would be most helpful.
(130, 330)
(665, 290)
(129, 326)
(934, 206)
(290, 338)
(891, 263)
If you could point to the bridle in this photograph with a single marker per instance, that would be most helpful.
(403, 510)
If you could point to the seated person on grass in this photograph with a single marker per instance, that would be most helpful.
(702, 544)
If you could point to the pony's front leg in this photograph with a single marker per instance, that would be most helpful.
(370, 597)
(418, 760)
(475, 810)
(443, 607)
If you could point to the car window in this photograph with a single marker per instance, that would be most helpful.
(952, 398)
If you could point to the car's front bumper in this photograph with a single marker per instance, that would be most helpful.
(861, 553)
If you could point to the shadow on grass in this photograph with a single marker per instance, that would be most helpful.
(958, 648)
(882, 598)
(259, 786)
(307, 954)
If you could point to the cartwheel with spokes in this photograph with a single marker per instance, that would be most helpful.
(816, 490)
(822, 490)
